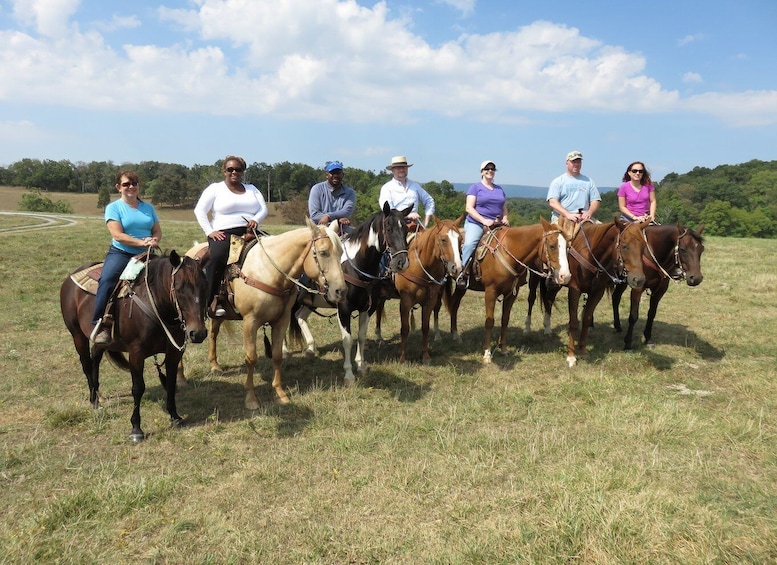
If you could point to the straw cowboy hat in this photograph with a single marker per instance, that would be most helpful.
(399, 161)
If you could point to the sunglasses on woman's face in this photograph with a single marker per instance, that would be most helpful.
(637, 171)
(234, 170)
(129, 183)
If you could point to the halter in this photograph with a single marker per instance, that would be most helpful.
(312, 248)
(546, 269)
(677, 260)
(155, 313)
(601, 269)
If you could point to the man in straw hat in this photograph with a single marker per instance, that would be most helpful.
(573, 195)
(401, 192)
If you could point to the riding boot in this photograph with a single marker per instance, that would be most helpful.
(102, 333)
(216, 309)
(462, 281)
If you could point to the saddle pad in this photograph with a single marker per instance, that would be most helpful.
(87, 278)
(235, 248)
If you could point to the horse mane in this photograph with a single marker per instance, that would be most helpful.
(361, 231)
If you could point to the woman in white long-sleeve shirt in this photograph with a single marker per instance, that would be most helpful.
(234, 208)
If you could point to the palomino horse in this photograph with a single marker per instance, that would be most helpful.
(435, 256)
(384, 233)
(264, 292)
(600, 255)
(672, 252)
(508, 256)
(162, 309)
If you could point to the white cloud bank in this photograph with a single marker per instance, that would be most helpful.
(310, 60)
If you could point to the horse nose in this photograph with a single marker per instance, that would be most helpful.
(198, 336)
(562, 278)
(636, 281)
(339, 295)
(694, 280)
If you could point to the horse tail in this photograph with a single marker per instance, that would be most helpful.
(446, 293)
(118, 359)
(267, 347)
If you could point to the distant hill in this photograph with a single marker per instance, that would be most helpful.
(523, 191)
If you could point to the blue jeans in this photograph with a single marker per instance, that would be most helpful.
(472, 234)
(115, 261)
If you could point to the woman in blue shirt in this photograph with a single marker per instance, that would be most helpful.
(134, 227)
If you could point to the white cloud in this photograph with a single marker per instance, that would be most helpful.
(119, 22)
(466, 7)
(309, 60)
(691, 38)
(48, 17)
(691, 77)
(740, 109)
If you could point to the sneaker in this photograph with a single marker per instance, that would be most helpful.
(219, 312)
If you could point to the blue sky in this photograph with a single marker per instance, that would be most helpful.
(449, 83)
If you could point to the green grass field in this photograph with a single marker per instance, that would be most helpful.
(666, 455)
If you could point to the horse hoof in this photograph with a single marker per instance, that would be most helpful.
(487, 358)
(137, 436)
(571, 361)
(427, 361)
(177, 423)
(349, 381)
(650, 345)
(310, 354)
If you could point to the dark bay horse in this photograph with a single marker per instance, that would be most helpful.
(672, 252)
(264, 291)
(506, 260)
(599, 255)
(435, 256)
(161, 310)
(384, 233)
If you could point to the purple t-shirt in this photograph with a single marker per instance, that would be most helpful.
(638, 203)
(488, 203)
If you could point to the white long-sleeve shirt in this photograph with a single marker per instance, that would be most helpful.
(227, 209)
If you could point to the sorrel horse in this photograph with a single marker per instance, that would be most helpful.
(161, 310)
(507, 257)
(435, 256)
(599, 255)
(672, 252)
(383, 233)
(263, 292)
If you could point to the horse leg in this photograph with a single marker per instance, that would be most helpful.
(453, 310)
(617, 292)
(172, 362)
(573, 298)
(380, 304)
(180, 376)
(278, 332)
(436, 316)
(215, 326)
(636, 296)
(548, 298)
(345, 333)
(426, 312)
(138, 389)
(533, 282)
(90, 365)
(405, 309)
(310, 342)
(490, 299)
(361, 344)
(507, 306)
(250, 328)
(655, 298)
(594, 297)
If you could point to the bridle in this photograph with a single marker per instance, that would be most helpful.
(676, 252)
(311, 248)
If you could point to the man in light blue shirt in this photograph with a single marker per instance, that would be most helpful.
(401, 192)
(572, 194)
(331, 199)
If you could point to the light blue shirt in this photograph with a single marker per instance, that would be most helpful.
(134, 222)
(573, 193)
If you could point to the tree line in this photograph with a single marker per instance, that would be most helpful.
(730, 200)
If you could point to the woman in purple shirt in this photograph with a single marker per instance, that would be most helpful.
(486, 205)
(637, 195)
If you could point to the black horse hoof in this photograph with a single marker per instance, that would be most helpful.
(177, 423)
(137, 436)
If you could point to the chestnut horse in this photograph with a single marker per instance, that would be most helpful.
(599, 255)
(511, 254)
(672, 252)
(162, 309)
(435, 256)
(384, 233)
(263, 292)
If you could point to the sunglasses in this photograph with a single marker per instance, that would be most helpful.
(637, 171)
(130, 183)
(234, 170)
(490, 169)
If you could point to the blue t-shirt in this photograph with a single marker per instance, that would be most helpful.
(488, 203)
(573, 193)
(135, 222)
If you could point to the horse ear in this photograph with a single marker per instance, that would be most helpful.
(386, 208)
(175, 259)
(334, 225)
(460, 219)
(701, 229)
(313, 227)
(407, 210)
